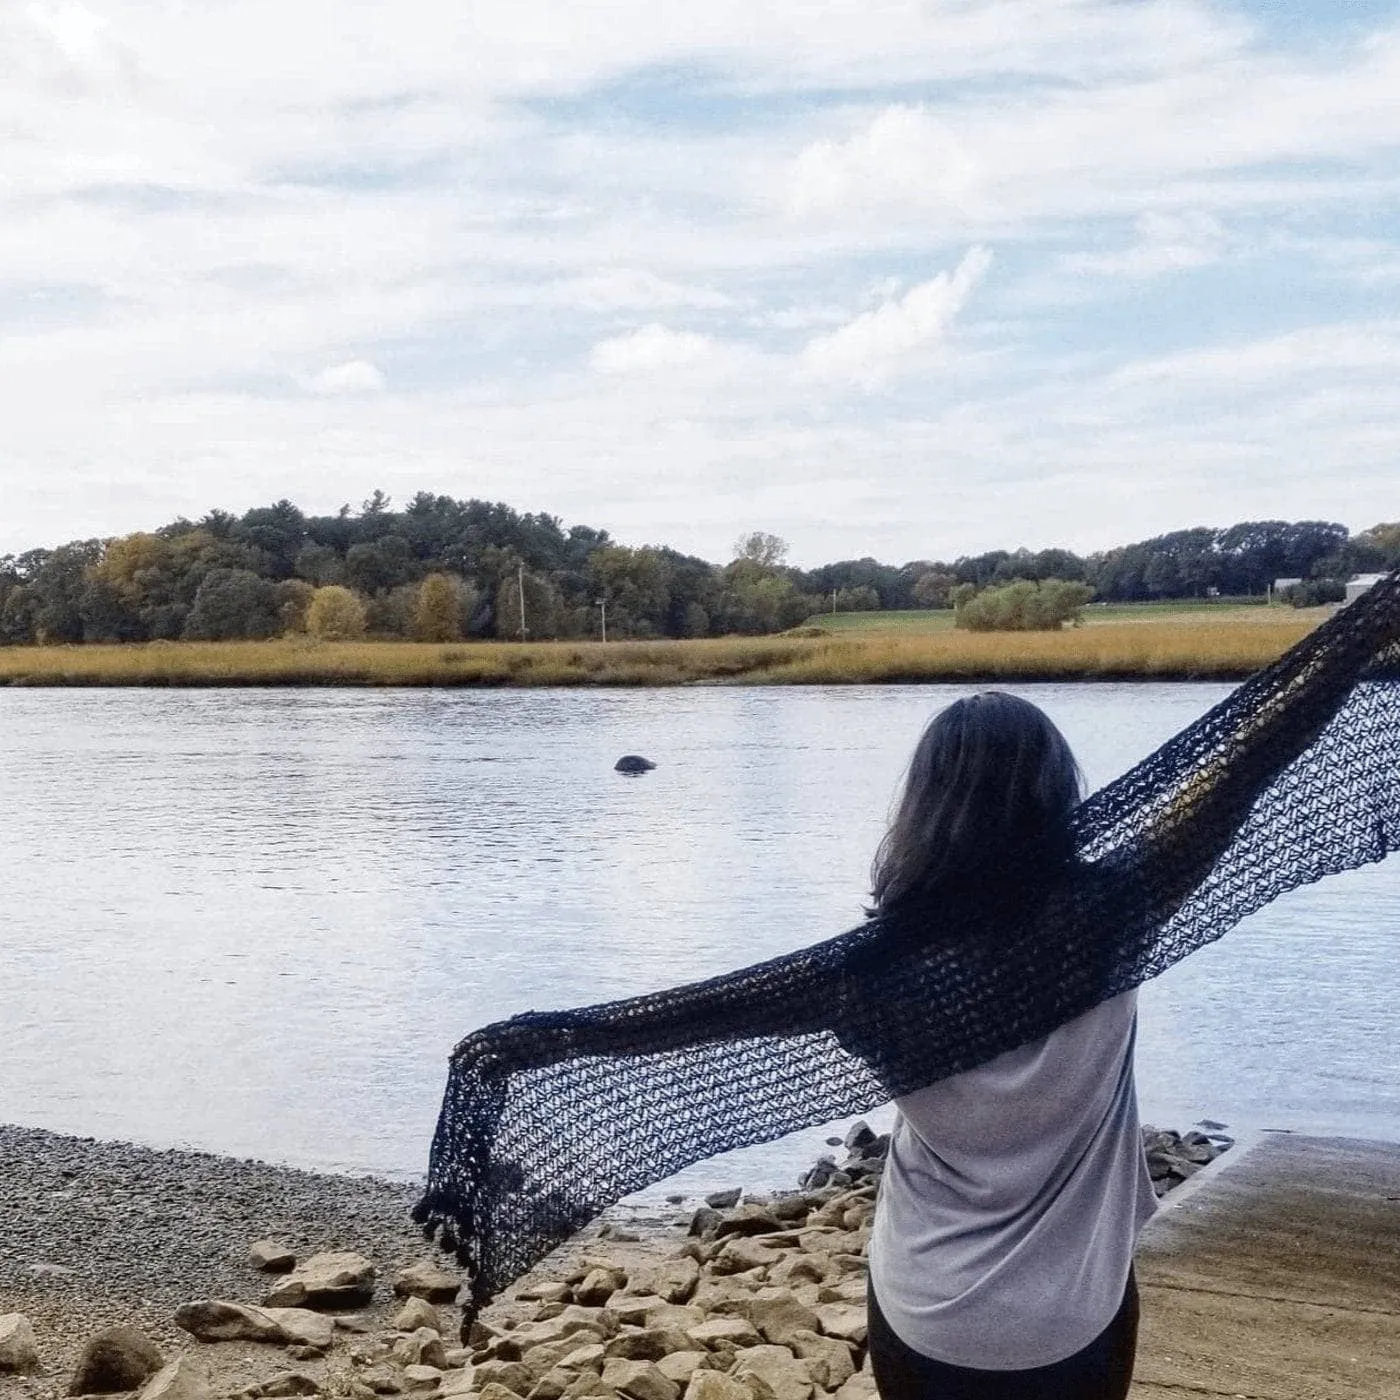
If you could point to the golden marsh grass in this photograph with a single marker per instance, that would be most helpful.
(1165, 648)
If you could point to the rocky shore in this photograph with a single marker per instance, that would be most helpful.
(184, 1276)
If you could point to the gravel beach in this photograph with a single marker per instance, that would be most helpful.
(102, 1234)
(98, 1233)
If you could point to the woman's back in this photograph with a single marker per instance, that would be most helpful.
(1013, 1198)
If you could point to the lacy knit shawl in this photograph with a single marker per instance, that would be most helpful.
(550, 1117)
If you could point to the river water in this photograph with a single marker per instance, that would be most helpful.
(255, 922)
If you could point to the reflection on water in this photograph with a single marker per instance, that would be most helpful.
(256, 921)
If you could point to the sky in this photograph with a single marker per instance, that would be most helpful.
(908, 278)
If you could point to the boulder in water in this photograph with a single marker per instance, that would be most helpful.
(633, 763)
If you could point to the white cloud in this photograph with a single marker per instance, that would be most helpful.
(878, 344)
(1166, 242)
(652, 349)
(1312, 353)
(75, 30)
(634, 289)
(1191, 135)
(902, 149)
(353, 377)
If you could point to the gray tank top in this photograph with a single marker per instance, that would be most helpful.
(1013, 1198)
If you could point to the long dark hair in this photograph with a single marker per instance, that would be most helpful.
(987, 800)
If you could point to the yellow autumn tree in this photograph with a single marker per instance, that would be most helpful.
(437, 610)
(335, 614)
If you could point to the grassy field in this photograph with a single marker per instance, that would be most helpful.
(916, 620)
(1199, 645)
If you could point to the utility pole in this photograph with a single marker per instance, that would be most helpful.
(603, 603)
(520, 584)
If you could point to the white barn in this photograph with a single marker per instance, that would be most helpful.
(1358, 585)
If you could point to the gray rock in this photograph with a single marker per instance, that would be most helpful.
(460, 1382)
(858, 1136)
(553, 1385)
(675, 1280)
(427, 1281)
(494, 1390)
(302, 1327)
(738, 1331)
(338, 1279)
(641, 1380)
(212, 1320)
(180, 1380)
(861, 1386)
(724, 1200)
(843, 1320)
(549, 1356)
(777, 1319)
(790, 1208)
(597, 1287)
(741, 1254)
(713, 1385)
(633, 763)
(383, 1380)
(650, 1344)
(545, 1293)
(786, 1376)
(271, 1257)
(588, 1357)
(633, 1309)
(421, 1348)
(705, 1221)
(828, 1359)
(284, 1384)
(18, 1351)
(417, 1313)
(750, 1220)
(513, 1375)
(819, 1174)
(117, 1358)
(680, 1366)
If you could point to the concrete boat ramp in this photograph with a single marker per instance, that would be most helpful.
(1276, 1276)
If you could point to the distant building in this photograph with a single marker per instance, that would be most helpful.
(1358, 585)
(1280, 586)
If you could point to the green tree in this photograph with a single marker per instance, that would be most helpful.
(761, 548)
(860, 599)
(335, 614)
(56, 581)
(294, 597)
(1025, 606)
(277, 532)
(374, 566)
(319, 564)
(1375, 549)
(695, 622)
(636, 584)
(932, 588)
(233, 604)
(542, 606)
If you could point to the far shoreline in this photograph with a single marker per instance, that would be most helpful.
(1202, 647)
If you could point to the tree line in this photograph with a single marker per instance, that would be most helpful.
(440, 569)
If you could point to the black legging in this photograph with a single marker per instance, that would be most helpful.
(1102, 1371)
